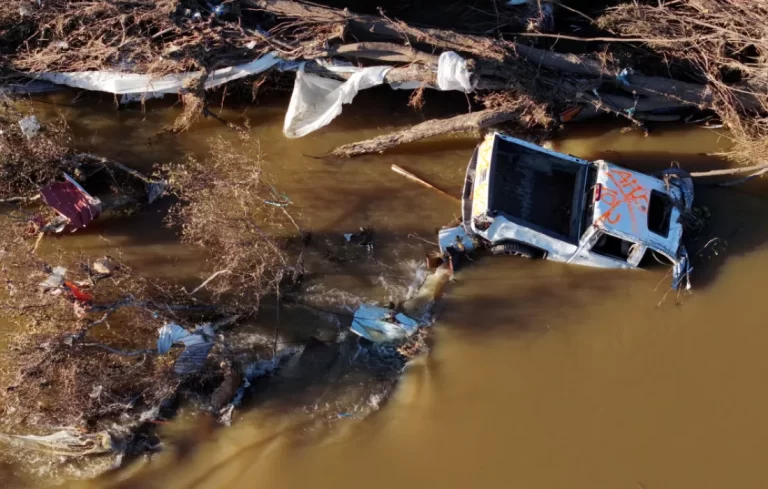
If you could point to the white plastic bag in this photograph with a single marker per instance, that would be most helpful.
(133, 83)
(30, 127)
(316, 101)
(452, 73)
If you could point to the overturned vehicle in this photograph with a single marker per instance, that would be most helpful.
(522, 199)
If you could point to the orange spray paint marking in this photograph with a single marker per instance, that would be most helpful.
(624, 191)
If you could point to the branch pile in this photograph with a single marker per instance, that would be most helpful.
(61, 367)
(228, 207)
(722, 44)
(646, 61)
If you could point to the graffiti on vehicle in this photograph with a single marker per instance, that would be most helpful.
(624, 196)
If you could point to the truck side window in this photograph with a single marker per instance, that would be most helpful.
(612, 247)
(659, 213)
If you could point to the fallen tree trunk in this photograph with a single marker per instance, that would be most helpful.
(382, 27)
(496, 57)
(410, 73)
(729, 171)
(379, 51)
(462, 123)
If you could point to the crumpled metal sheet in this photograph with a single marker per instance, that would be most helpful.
(71, 201)
(681, 271)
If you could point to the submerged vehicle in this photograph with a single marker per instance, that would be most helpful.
(522, 199)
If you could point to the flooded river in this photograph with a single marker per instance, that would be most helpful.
(540, 375)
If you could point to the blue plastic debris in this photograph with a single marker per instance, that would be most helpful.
(218, 10)
(622, 76)
(197, 346)
(381, 324)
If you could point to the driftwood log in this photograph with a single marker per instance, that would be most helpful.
(462, 123)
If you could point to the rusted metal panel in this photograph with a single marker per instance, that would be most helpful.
(71, 201)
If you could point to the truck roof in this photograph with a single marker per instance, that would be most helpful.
(637, 206)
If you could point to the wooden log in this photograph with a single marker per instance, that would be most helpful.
(381, 27)
(377, 51)
(729, 171)
(411, 73)
(410, 176)
(463, 123)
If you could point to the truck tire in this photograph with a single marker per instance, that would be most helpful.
(515, 249)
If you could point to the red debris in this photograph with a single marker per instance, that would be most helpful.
(72, 201)
(78, 294)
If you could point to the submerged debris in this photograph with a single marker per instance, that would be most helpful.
(104, 266)
(69, 443)
(197, 346)
(380, 324)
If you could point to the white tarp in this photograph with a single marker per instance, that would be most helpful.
(132, 83)
(452, 73)
(316, 100)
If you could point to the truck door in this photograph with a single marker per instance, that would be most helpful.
(622, 251)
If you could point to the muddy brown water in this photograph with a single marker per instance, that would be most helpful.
(540, 375)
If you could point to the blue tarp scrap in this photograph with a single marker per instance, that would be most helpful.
(197, 346)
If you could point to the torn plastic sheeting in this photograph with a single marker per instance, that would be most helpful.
(150, 86)
(197, 346)
(452, 73)
(316, 100)
(71, 201)
(55, 279)
(67, 442)
(155, 190)
(380, 324)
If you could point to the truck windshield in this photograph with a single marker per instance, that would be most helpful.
(540, 189)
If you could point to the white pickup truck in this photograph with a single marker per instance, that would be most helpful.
(522, 199)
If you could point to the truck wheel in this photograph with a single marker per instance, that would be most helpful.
(515, 249)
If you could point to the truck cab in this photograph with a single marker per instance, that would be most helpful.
(522, 199)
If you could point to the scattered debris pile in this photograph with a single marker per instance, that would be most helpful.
(72, 362)
(708, 58)
(39, 166)
(721, 44)
(31, 155)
